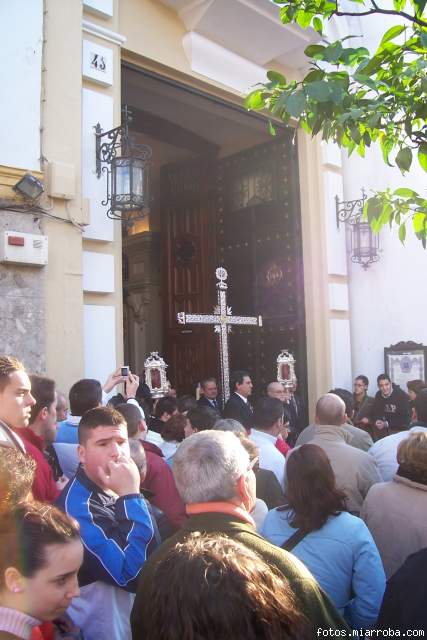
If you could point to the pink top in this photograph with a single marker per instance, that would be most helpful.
(18, 623)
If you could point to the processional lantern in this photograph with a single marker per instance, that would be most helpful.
(286, 369)
(127, 167)
(365, 245)
(155, 375)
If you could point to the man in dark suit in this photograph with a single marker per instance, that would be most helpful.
(210, 395)
(238, 406)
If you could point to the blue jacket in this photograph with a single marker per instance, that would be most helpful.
(67, 432)
(117, 533)
(343, 558)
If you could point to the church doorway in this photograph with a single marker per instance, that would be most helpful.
(225, 193)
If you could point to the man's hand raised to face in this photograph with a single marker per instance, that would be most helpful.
(123, 476)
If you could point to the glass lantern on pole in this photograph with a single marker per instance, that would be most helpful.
(155, 375)
(286, 369)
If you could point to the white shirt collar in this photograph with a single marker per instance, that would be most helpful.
(245, 400)
(264, 434)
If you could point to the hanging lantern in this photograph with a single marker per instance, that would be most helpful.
(365, 244)
(128, 194)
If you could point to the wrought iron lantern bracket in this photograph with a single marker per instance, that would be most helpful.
(106, 151)
(350, 211)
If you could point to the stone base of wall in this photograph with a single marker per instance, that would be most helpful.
(22, 314)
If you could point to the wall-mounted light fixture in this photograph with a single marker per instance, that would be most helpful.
(29, 187)
(365, 245)
(127, 171)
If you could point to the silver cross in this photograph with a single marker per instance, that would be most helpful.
(222, 319)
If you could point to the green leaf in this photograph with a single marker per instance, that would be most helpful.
(315, 51)
(271, 128)
(419, 222)
(419, 6)
(318, 90)
(333, 52)
(305, 126)
(386, 214)
(399, 4)
(373, 208)
(376, 224)
(386, 145)
(363, 79)
(352, 56)
(403, 192)
(392, 33)
(295, 103)
(303, 18)
(318, 25)
(422, 155)
(402, 233)
(255, 100)
(404, 159)
(316, 74)
(276, 78)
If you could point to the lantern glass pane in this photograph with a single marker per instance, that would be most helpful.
(122, 179)
(137, 179)
(365, 242)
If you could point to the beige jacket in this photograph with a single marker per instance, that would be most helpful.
(358, 438)
(396, 515)
(355, 470)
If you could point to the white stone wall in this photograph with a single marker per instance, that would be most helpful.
(21, 37)
(102, 237)
(21, 287)
(387, 302)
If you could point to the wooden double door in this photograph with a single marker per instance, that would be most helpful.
(243, 213)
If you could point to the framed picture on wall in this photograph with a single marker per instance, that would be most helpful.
(405, 361)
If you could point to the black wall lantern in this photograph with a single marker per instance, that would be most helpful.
(128, 176)
(365, 245)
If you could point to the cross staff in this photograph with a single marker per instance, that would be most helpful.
(222, 319)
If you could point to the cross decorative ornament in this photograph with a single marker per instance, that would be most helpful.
(222, 319)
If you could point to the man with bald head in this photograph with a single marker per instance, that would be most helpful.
(355, 470)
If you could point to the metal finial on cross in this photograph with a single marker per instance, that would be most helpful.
(222, 319)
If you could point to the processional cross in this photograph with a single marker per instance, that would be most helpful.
(222, 319)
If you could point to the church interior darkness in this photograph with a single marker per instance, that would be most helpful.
(224, 192)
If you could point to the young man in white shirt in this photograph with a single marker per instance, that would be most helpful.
(268, 419)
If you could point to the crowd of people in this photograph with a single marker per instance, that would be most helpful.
(124, 517)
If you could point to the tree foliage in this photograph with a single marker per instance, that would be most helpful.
(355, 98)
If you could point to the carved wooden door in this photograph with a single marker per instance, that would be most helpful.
(188, 247)
(259, 243)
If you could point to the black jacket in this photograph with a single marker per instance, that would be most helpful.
(269, 489)
(204, 402)
(394, 409)
(404, 604)
(239, 410)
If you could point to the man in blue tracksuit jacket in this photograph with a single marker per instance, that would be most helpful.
(115, 526)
